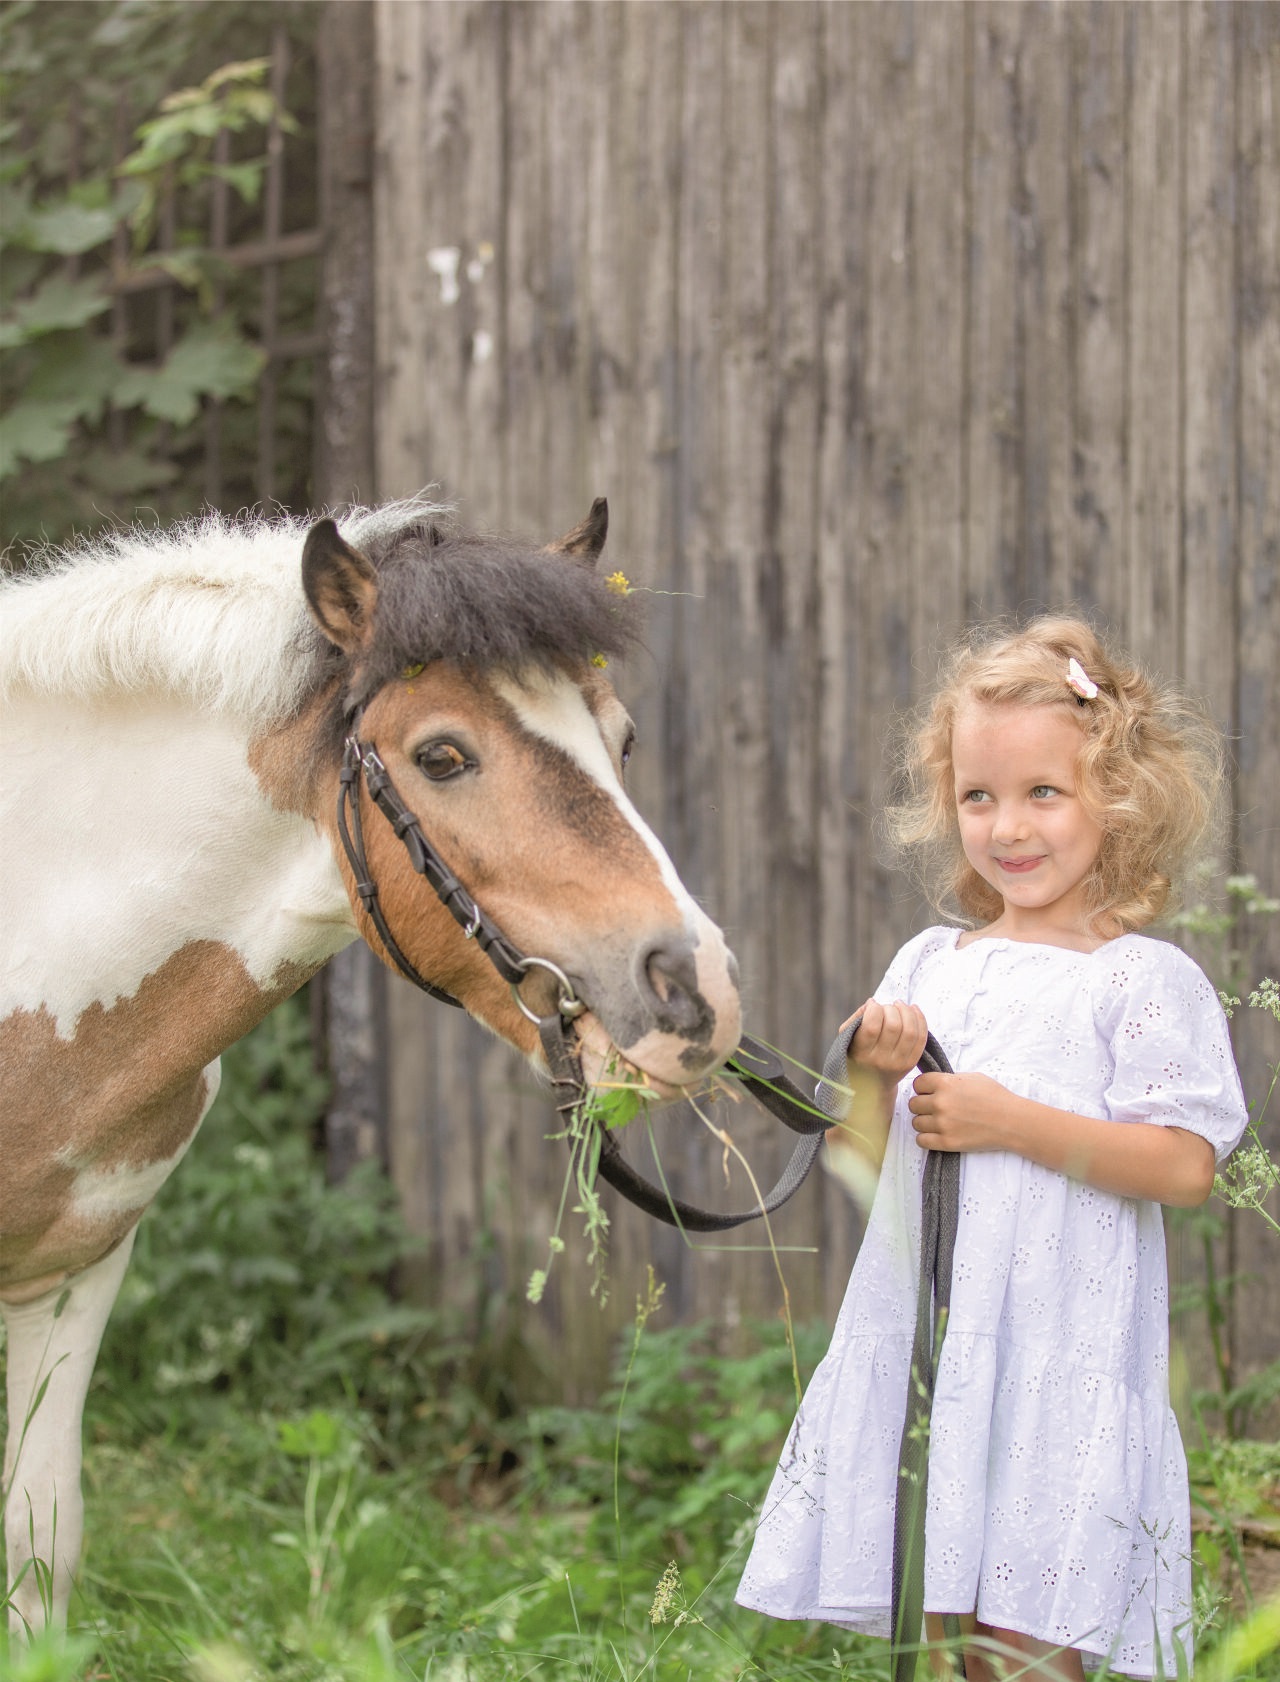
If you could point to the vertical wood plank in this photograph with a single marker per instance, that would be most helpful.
(1257, 1320)
(1042, 243)
(744, 626)
(563, 39)
(1095, 259)
(742, 635)
(400, 289)
(1210, 553)
(789, 561)
(846, 741)
(344, 448)
(1151, 611)
(653, 251)
(529, 331)
(882, 507)
(939, 268)
(610, 279)
(993, 435)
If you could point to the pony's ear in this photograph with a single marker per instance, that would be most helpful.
(586, 540)
(341, 587)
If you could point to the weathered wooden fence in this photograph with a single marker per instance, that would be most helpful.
(869, 320)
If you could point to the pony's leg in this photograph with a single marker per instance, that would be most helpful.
(53, 1344)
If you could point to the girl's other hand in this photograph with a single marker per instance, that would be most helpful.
(890, 1040)
(960, 1112)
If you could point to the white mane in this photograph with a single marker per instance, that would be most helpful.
(211, 610)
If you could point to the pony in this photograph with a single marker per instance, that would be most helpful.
(190, 724)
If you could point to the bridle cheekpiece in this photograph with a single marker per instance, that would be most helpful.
(361, 759)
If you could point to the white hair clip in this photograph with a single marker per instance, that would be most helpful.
(1079, 680)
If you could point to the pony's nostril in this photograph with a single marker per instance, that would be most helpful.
(679, 1007)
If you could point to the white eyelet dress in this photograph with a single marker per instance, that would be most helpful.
(1058, 1502)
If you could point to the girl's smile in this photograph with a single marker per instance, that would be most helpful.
(1023, 825)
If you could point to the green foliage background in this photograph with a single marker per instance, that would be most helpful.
(109, 151)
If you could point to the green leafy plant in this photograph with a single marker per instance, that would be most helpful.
(1224, 928)
(1252, 1173)
(112, 347)
(177, 149)
(609, 1105)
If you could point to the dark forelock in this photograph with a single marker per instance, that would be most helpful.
(488, 602)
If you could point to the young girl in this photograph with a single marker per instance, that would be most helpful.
(1057, 792)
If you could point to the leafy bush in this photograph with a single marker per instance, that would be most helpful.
(258, 1288)
(108, 371)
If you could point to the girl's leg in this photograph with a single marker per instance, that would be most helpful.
(948, 1664)
(1053, 1663)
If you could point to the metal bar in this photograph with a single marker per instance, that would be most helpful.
(272, 216)
(116, 426)
(249, 254)
(219, 219)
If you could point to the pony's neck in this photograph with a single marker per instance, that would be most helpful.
(176, 844)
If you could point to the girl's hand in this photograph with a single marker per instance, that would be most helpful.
(890, 1040)
(959, 1112)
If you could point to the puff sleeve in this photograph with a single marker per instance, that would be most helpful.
(1172, 1064)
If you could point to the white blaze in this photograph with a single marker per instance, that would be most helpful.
(554, 708)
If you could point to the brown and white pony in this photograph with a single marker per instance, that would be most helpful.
(173, 709)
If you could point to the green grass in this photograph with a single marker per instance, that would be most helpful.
(284, 1550)
(244, 1546)
(292, 1478)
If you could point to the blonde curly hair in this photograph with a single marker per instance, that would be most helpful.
(1150, 771)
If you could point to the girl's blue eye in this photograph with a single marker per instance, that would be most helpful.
(1043, 791)
(975, 796)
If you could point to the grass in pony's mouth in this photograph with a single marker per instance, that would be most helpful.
(621, 1093)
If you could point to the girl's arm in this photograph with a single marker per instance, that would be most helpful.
(972, 1112)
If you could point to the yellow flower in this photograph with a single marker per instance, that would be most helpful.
(413, 671)
(618, 583)
(599, 660)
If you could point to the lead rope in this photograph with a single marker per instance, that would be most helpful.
(939, 1221)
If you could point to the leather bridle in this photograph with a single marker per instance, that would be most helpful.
(754, 1065)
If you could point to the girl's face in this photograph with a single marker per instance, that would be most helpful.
(1023, 826)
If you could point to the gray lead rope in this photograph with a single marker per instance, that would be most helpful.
(939, 1220)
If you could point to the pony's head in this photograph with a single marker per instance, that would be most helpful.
(474, 667)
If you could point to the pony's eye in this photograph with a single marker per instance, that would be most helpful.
(628, 748)
(440, 760)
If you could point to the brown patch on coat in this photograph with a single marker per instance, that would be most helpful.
(297, 760)
(124, 1093)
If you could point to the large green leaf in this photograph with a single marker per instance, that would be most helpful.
(74, 368)
(35, 431)
(124, 473)
(211, 361)
(60, 303)
(67, 229)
